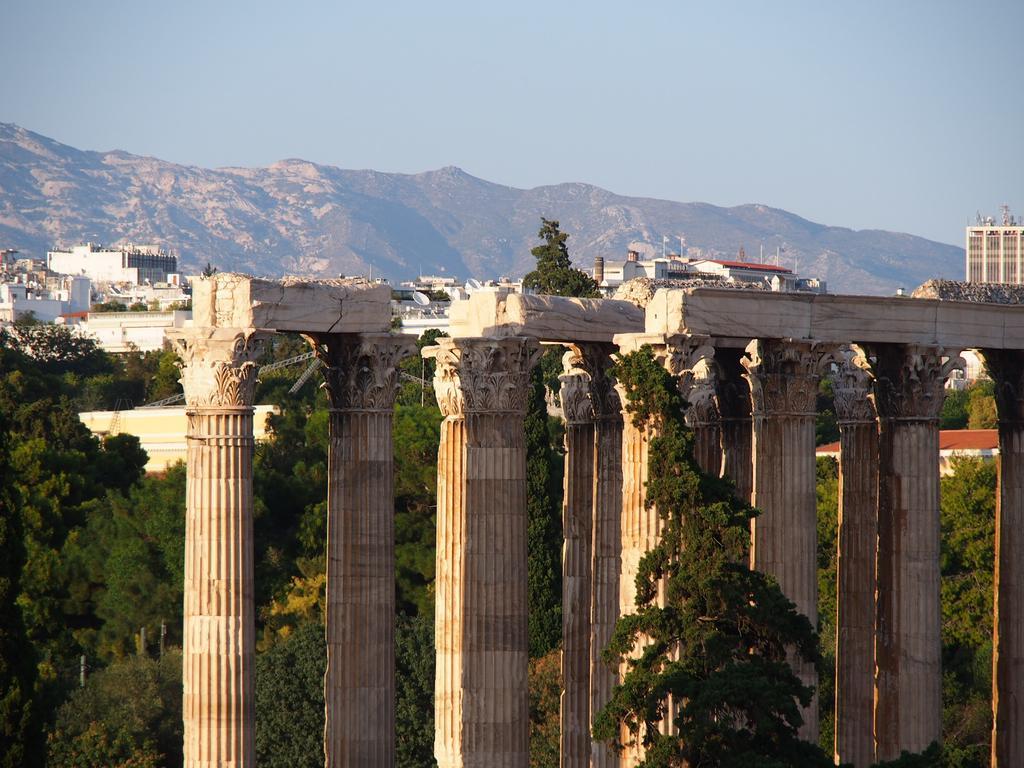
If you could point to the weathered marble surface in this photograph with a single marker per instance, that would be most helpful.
(292, 304)
(548, 318)
(1007, 371)
(835, 319)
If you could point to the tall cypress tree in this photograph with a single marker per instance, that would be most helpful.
(717, 647)
(554, 276)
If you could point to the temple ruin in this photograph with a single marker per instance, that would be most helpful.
(748, 365)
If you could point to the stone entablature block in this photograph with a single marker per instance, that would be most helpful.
(229, 300)
(835, 319)
(546, 318)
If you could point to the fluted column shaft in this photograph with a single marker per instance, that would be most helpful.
(1006, 368)
(857, 535)
(361, 380)
(736, 425)
(606, 554)
(481, 701)
(583, 364)
(783, 378)
(909, 390)
(218, 705)
(576, 594)
(640, 529)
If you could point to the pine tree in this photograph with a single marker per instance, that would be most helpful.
(555, 274)
(717, 645)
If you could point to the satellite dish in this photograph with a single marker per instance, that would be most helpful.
(421, 298)
(474, 284)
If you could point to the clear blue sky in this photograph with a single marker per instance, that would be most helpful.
(902, 115)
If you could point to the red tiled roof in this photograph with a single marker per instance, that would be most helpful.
(749, 265)
(949, 440)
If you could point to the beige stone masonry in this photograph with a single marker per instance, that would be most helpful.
(858, 532)
(219, 380)
(481, 702)
(691, 360)
(783, 376)
(293, 304)
(577, 557)
(834, 318)
(607, 544)
(361, 379)
(732, 395)
(909, 390)
(1007, 371)
(547, 318)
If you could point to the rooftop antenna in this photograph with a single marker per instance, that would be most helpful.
(1007, 218)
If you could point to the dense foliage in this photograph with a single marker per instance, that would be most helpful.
(91, 554)
(555, 274)
(715, 644)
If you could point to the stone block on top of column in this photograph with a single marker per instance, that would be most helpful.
(344, 305)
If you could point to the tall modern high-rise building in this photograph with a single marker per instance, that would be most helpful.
(995, 252)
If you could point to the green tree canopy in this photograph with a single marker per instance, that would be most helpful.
(127, 715)
(717, 646)
(555, 274)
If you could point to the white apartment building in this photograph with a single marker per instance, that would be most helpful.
(66, 296)
(995, 252)
(134, 264)
(123, 331)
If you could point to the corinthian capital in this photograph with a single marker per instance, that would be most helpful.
(851, 388)
(691, 361)
(479, 375)
(910, 380)
(1006, 367)
(361, 369)
(783, 375)
(218, 368)
(588, 390)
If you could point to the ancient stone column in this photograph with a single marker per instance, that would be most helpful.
(577, 525)
(361, 380)
(1006, 367)
(639, 527)
(909, 390)
(858, 531)
(732, 394)
(218, 375)
(783, 377)
(606, 547)
(691, 360)
(481, 703)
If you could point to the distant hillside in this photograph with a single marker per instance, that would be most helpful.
(298, 217)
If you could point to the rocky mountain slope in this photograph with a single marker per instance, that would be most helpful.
(299, 217)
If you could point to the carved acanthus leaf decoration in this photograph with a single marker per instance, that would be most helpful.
(361, 370)
(589, 366)
(851, 389)
(484, 375)
(910, 380)
(1006, 368)
(218, 368)
(783, 375)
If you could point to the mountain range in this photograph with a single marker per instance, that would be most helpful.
(298, 217)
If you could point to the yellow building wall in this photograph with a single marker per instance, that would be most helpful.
(161, 431)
